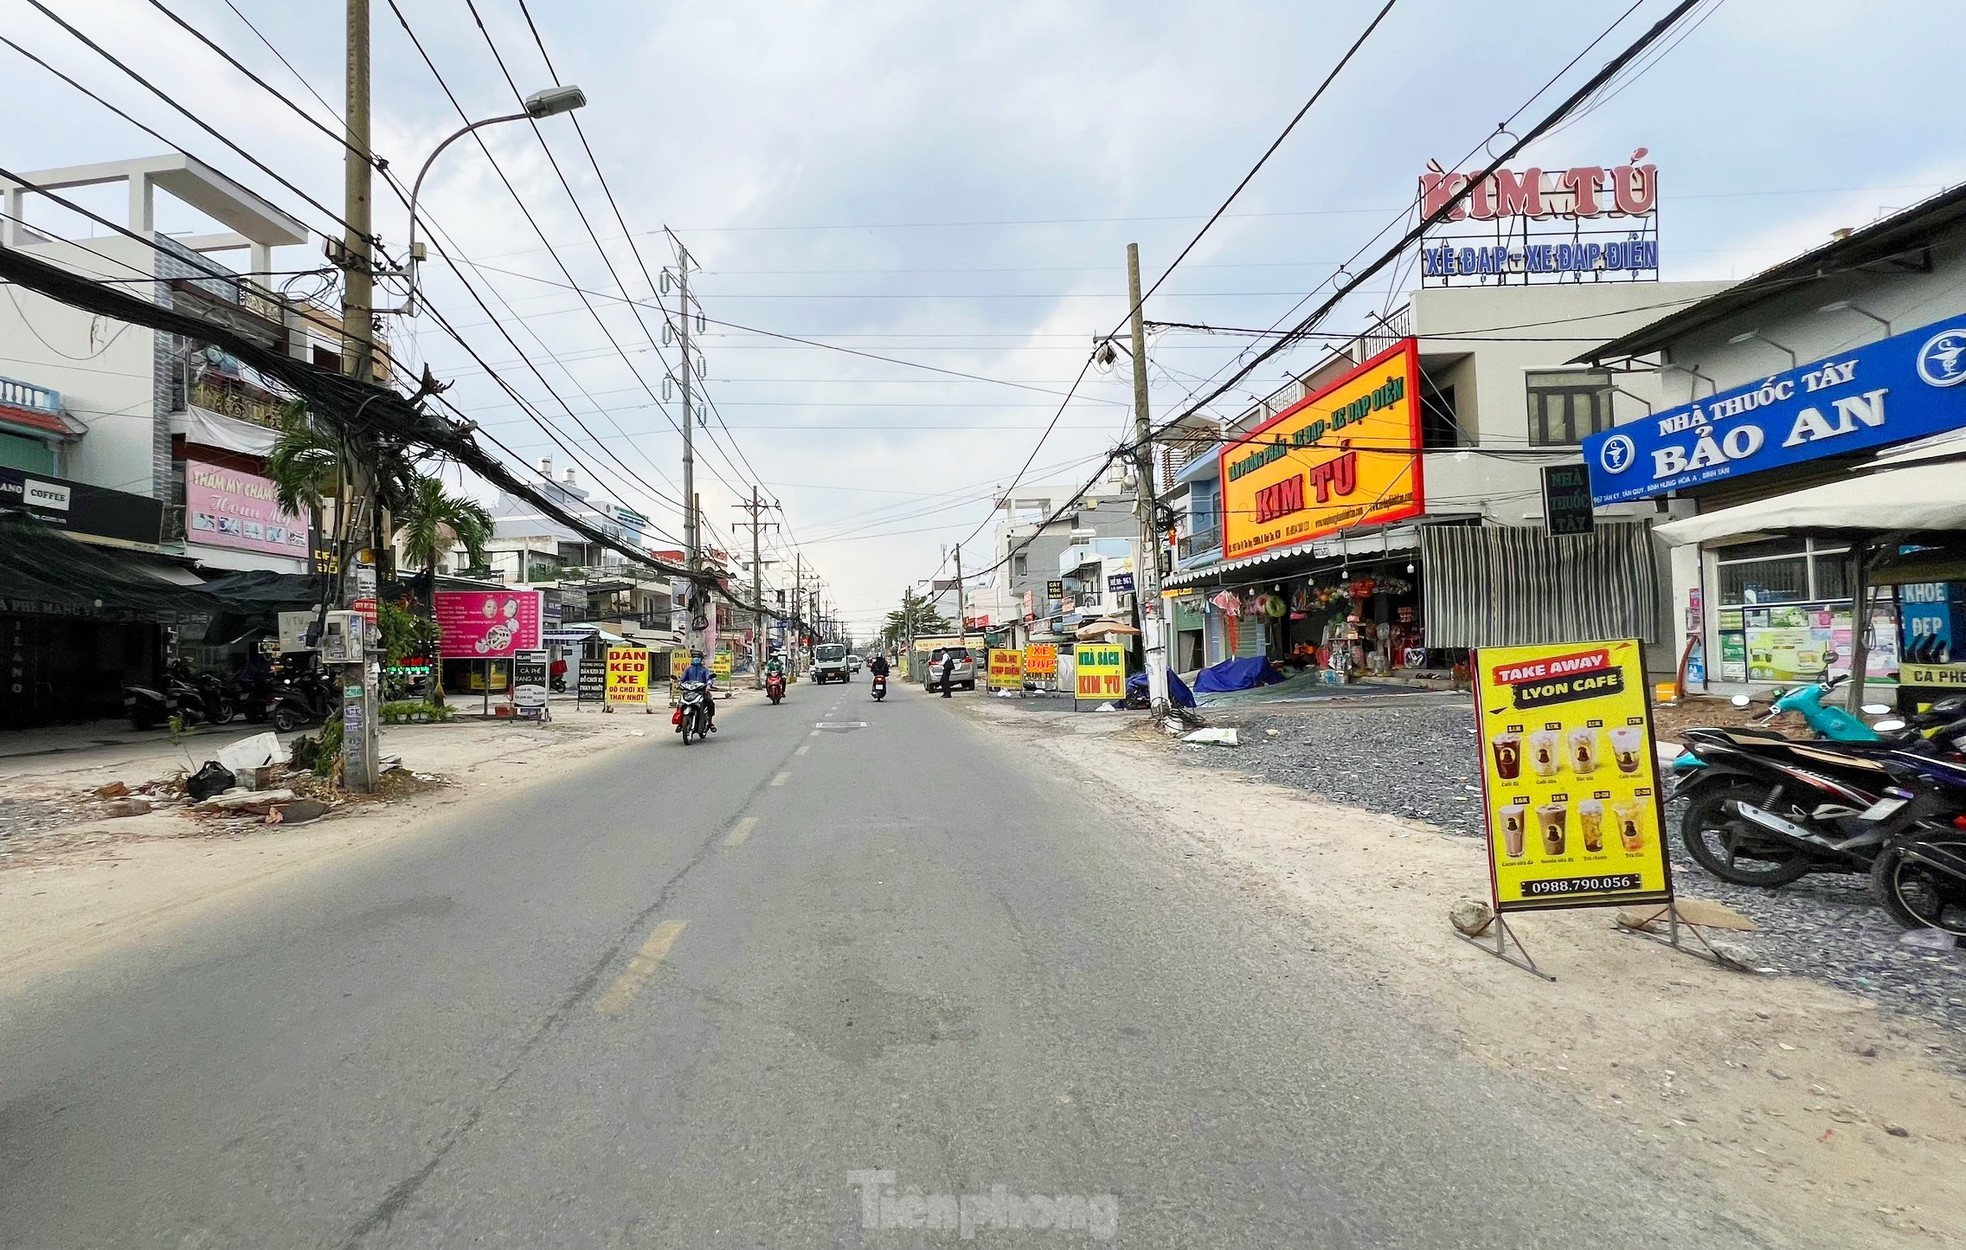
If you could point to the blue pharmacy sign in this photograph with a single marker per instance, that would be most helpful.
(1900, 388)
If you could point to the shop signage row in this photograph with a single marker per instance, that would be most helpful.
(82, 509)
(1556, 225)
(1899, 388)
(241, 511)
(1344, 457)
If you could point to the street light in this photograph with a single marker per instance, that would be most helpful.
(1844, 305)
(550, 102)
(1755, 335)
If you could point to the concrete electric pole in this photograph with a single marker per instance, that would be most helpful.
(756, 508)
(1153, 643)
(962, 614)
(359, 746)
(692, 532)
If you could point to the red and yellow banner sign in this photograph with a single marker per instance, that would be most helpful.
(1041, 660)
(1344, 457)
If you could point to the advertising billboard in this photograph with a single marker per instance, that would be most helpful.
(1345, 457)
(1569, 776)
(628, 677)
(226, 508)
(487, 624)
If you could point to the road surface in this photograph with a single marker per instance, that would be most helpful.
(849, 974)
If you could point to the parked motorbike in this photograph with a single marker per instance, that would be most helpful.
(1919, 875)
(774, 687)
(692, 715)
(1765, 810)
(217, 703)
(304, 698)
(880, 687)
(148, 707)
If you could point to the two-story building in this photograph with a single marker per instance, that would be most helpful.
(1385, 511)
(1792, 380)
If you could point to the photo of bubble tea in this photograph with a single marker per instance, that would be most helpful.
(1515, 826)
(1628, 748)
(1543, 747)
(1551, 818)
(1582, 747)
(1630, 815)
(1507, 748)
(1590, 823)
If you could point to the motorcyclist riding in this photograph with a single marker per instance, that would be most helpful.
(878, 666)
(698, 671)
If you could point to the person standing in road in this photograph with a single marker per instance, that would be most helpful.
(948, 672)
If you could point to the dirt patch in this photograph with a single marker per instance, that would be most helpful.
(1826, 1124)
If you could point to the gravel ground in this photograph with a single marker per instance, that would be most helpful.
(1417, 759)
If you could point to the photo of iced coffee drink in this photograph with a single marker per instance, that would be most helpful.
(1581, 750)
(1543, 747)
(1630, 815)
(1628, 748)
(1508, 755)
(1590, 823)
(1551, 819)
(1515, 825)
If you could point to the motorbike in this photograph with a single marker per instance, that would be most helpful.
(148, 707)
(774, 687)
(692, 715)
(1919, 874)
(216, 699)
(303, 698)
(880, 687)
(1764, 810)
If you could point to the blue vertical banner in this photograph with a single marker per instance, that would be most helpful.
(1896, 389)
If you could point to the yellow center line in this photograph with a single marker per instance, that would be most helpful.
(741, 831)
(781, 779)
(641, 967)
(803, 748)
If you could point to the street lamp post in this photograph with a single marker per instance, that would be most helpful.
(540, 104)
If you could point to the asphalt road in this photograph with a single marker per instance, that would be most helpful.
(843, 973)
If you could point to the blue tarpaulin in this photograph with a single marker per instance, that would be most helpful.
(1237, 675)
(1177, 690)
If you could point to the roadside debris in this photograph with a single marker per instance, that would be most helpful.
(1213, 737)
(213, 778)
(1470, 917)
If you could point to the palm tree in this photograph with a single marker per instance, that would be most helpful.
(431, 522)
(305, 463)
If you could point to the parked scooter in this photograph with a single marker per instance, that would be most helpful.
(774, 687)
(304, 698)
(1919, 876)
(880, 687)
(1765, 810)
(147, 706)
(692, 715)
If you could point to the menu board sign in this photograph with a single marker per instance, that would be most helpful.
(1570, 779)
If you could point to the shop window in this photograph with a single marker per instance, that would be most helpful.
(1783, 570)
(1440, 420)
(1020, 565)
(1567, 406)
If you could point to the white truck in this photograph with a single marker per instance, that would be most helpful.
(830, 663)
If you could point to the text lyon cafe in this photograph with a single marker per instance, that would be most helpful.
(1762, 623)
(1344, 459)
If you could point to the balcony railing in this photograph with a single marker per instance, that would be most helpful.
(1199, 544)
(20, 394)
(233, 399)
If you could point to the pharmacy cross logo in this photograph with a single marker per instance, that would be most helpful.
(1617, 453)
(1942, 361)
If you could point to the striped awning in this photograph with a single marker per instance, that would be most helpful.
(1511, 585)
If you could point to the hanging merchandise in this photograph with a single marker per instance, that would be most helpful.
(1273, 606)
(1300, 599)
(1327, 596)
(1228, 603)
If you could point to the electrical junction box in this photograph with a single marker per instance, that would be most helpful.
(341, 638)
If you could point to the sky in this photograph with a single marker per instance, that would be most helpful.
(953, 188)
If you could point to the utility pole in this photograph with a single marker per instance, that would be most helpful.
(756, 508)
(1146, 577)
(692, 534)
(359, 746)
(798, 608)
(962, 614)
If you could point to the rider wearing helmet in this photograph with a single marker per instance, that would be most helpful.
(698, 671)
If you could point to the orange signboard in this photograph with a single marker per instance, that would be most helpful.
(1346, 457)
